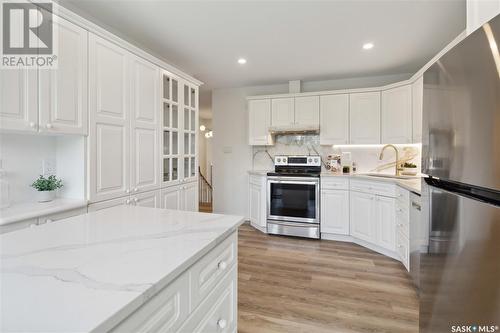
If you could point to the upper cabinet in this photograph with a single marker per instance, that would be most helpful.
(189, 132)
(259, 120)
(63, 91)
(307, 111)
(417, 89)
(364, 118)
(397, 115)
(334, 119)
(479, 12)
(49, 100)
(282, 112)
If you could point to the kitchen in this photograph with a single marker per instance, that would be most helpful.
(328, 182)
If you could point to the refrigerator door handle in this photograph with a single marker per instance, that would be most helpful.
(416, 205)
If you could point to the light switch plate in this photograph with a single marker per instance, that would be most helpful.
(49, 167)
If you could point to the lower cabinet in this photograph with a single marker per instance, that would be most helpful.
(373, 219)
(202, 299)
(335, 211)
(257, 202)
(181, 197)
(144, 199)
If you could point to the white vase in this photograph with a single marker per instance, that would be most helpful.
(409, 171)
(46, 196)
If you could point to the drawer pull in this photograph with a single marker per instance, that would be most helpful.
(222, 323)
(416, 205)
(400, 225)
(222, 265)
(400, 246)
(49, 221)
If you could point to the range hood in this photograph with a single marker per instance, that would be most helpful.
(294, 128)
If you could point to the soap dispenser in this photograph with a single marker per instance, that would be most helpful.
(4, 189)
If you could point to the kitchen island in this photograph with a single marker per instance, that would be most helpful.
(122, 269)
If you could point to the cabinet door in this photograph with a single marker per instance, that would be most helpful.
(385, 212)
(259, 120)
(18, 100)
(334, 119)
(364, 115)
(145, 126)
(189, 133)
(109, 120)
(171, 197)
(190, 197)
(282, 111)
(396, 115)
(335, 211)
(63, 91)
(363, 222)
(150, 199)
(307, 111)
(417, 97)
(108, 204)
(255, 209)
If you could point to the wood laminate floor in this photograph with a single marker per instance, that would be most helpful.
(298, 285)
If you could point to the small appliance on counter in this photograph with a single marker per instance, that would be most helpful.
(293, 196)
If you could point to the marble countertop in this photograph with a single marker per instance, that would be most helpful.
(28, 210)
(89, 272)
(410, 184)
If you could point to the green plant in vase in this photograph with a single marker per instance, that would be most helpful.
(46, 187)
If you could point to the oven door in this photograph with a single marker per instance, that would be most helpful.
(293, 199)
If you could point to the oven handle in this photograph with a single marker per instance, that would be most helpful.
(293, 181)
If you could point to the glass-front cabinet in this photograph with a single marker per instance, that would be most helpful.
(179, 121)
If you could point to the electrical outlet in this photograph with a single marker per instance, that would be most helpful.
(49, 166)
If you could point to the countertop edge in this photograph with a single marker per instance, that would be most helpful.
(62, 207)
(149, 293)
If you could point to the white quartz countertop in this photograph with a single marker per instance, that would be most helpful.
(410, 184)
(28, 210)
(89, 272)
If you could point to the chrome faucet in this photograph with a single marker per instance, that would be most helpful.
(381, 156)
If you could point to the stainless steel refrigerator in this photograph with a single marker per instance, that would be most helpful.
(459, 280)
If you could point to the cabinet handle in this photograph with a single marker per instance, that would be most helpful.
(222, 323)
(136, 200)
(49, 220)
(127, 191)
(400, 246)
(48, 126)
(222, 265)
(32, 225)
(127, 201)
(136, 189)
(400, 224)
(416, 205)
(32, 125)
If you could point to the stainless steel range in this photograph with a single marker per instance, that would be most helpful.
(293, 196)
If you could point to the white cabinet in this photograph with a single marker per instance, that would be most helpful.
(181, 197)
(417, 97)
(171, 197)
(63, 91)
(93, 207)
(307, 111)
(145, 123)
(18, 100)
(397, 115)
(49, 100)
(282, 111)
(257, 202)
(109, 120)
(363, 221)
(150, 199)
(364, 115)
(335, 211)
(334, 119)
(385, 220)
(259, 120)
(481, 11)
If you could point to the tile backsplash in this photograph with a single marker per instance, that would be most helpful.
(365, 156)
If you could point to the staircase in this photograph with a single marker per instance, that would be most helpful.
(205, 194)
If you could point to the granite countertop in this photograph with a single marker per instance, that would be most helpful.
(28, 210)
(89, 272)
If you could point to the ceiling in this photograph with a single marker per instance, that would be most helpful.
(282, 40)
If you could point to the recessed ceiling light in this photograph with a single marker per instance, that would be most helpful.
(368, 46)
(242, 61)
(202, 128)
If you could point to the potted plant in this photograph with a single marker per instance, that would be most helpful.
(47, 187)
(409, 168)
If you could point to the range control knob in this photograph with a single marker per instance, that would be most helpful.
(315, 160)
(284, 159)
(310, 160)
(278, 159)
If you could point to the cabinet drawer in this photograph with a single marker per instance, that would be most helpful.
(218, 312)
(62, 215)
(205, 274)
(402, 248)
(165, 312)
(334, 183)
(403, 196)
(388, 190)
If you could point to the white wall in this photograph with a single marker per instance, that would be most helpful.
(231, 153)
(22, 157)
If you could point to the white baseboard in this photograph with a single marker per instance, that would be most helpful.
(373, 247)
